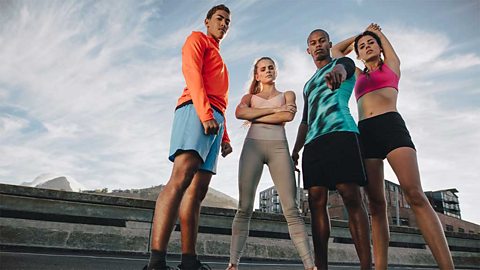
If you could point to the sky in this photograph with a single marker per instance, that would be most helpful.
(88, 88)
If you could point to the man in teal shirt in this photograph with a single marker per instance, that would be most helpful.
(332, 158)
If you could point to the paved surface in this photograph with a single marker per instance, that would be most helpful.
(31, 261)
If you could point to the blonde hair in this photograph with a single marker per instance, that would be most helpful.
(255, 86)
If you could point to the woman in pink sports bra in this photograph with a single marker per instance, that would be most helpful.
(267, 110)
(383, 135)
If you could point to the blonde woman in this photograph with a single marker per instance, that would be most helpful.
(267, 110)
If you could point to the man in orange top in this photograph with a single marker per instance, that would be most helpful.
(198, 134)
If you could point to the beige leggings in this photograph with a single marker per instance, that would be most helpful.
(276, 155)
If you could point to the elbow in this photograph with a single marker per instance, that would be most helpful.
(289, 117)
(336, 53)
(239, 114)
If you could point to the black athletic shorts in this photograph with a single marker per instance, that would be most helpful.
(381, 134)
(332, 159)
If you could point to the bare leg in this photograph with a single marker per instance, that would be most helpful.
(168, 201)
(404, 163)
(378, 209)
(190, 210)
(357, 222)
(317, 199)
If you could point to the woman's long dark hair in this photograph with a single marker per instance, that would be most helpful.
(377, 38)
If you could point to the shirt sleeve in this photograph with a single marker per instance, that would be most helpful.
(305, 110)
(225, 138)
(348, 64)
(192, 65)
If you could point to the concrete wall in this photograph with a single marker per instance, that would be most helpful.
(32, 217)
(337, 209)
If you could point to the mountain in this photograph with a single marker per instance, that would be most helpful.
(219, 199)
(214, 197)
(55, 181)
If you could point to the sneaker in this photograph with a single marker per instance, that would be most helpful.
(232, 266)
(197, 266)
(163, 268)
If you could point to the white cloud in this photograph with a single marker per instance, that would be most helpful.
(10, 124)
(98, 103)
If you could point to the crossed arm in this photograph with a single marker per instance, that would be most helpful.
(278, 115)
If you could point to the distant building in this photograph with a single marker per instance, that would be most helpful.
(399, 213)
(270, 201)
(398, 209)
(445, 202)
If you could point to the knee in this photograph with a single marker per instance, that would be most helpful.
(183, 171)
(290, 209)
(317, 202)
(292, 216)
(377, 206)
(415, 197)
(201, 191)
(243, 213)
(173, 189)
(195, 196)
(351, 198)
(181, 178)
(245, 208)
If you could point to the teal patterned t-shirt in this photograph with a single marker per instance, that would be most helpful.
(327, 110)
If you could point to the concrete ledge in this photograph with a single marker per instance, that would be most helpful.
(40, 218)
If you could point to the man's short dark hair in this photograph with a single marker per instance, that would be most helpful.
(318, 30)
(215, 8)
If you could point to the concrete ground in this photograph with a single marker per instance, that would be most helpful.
(10, 260)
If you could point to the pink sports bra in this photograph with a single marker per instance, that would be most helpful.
(377, 79)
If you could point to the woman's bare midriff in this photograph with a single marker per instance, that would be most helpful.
(377, 102)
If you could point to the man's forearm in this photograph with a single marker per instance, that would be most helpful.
(301, 135)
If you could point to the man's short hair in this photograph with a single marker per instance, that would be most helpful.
(318, 30)
(215, 8)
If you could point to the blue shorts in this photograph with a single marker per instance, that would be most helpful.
(188, 135)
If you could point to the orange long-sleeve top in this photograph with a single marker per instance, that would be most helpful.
(206, 77)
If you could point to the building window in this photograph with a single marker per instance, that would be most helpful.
(449, 228)
(276, 208)
(275, 199)
(461, 230)
(404, 222)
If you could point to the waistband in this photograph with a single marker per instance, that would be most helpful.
(380, 117)
(260, 131)
(188, 102)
